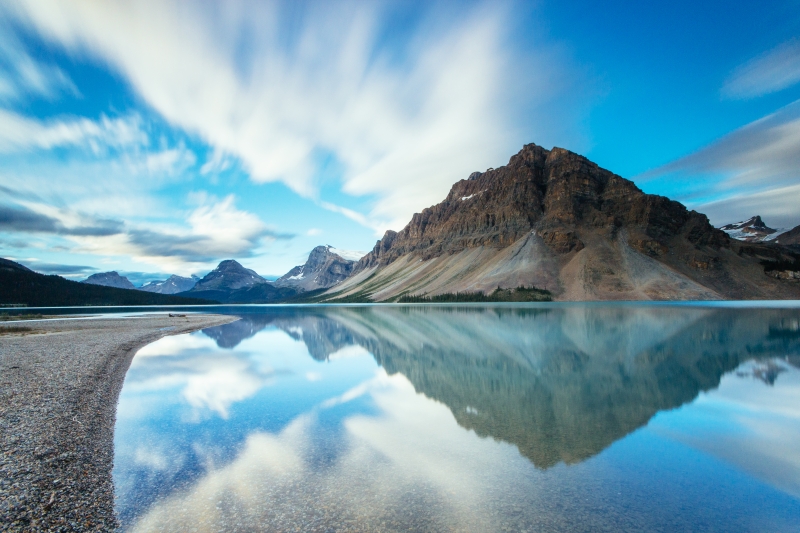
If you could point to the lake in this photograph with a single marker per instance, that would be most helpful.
(552, 417)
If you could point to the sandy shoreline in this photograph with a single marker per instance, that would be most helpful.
(58, 398)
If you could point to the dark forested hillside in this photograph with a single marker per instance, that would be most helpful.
(19, 285)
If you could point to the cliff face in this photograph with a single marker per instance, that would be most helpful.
(554, 219)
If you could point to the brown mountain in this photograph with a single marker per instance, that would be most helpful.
(553, 219)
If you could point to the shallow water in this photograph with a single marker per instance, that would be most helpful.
(466, 418)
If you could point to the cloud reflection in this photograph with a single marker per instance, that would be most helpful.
(272, 484)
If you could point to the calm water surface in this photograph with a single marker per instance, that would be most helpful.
(427, 418)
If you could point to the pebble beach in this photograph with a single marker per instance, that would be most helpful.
(59, 385)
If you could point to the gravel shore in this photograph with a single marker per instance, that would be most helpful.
(59, 385)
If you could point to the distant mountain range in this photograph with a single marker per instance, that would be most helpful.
(552, 219)
(20, 285)
(230, 282)
(172, 285)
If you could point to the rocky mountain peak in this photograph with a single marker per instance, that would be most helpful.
(229, 275)
(110, 279)
(752, 222)
(172, 285)
(555, 220)
(552, 192)
(751, 230)
(325, 267)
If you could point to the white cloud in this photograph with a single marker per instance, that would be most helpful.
(274, 84)
(218, 162)
(215, 228)
(770, 72)
(753, 170)
(22, 133)
(354, 216)
(170, 161)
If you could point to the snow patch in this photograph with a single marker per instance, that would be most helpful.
(299, 276)
(471, 195)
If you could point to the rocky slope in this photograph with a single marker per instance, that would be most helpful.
(790, 238)
(109, 279)
(554, 220)
(172, 285)
(326, 266)
(751, 230)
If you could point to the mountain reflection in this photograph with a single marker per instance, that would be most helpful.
(561, 383)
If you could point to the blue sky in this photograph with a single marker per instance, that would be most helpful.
(161, 137)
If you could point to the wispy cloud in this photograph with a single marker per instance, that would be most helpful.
(216, 229)
(22, 76)
(274, 83)
(22, 133)
(18, 219)
(777, 206)
(68, 271)
(770, 72)
(753, 170)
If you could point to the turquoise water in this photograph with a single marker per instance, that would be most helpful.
(467, 418)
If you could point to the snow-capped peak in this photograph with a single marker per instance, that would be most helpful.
(752, 230)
